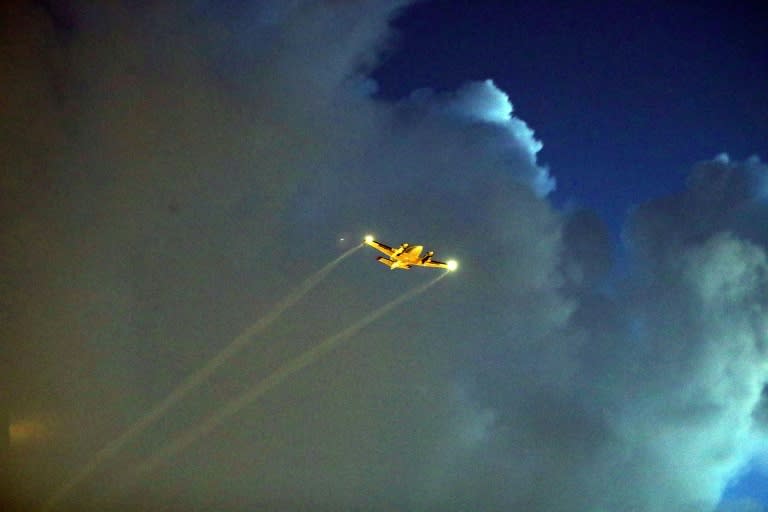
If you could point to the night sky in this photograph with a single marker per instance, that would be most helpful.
(188, 321)
(624, 96)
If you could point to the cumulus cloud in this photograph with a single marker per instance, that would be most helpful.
(173, 171)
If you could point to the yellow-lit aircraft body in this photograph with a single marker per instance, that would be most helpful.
(407, 256)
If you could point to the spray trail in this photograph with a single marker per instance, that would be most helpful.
(194, 380)
(278, 376)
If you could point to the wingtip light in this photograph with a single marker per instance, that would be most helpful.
(452, 265)
(368, 238)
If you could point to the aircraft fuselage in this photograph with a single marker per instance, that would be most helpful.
(411, 255)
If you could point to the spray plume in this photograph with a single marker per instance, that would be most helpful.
(194, 380)
(288, 369)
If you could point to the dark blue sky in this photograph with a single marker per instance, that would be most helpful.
(625, 96)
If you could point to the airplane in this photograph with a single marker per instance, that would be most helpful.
(407, 256)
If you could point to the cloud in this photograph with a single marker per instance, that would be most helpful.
(508, 137)
(176, 170)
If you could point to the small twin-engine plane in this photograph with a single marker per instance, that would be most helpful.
(407, 256)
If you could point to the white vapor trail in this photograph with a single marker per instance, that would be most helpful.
(278, 376)
(191, 382)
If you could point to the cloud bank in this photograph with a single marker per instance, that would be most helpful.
(172, 170)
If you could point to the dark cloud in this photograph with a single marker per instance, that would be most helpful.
(760, 413)
(589, 256)
(175, 170)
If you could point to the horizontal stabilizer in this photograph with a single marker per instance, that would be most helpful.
(389, 263)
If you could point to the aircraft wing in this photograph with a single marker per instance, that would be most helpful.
(434, 264)
(381, 247)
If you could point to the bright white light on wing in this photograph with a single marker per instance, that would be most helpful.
(369, 238)
(452, 265)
